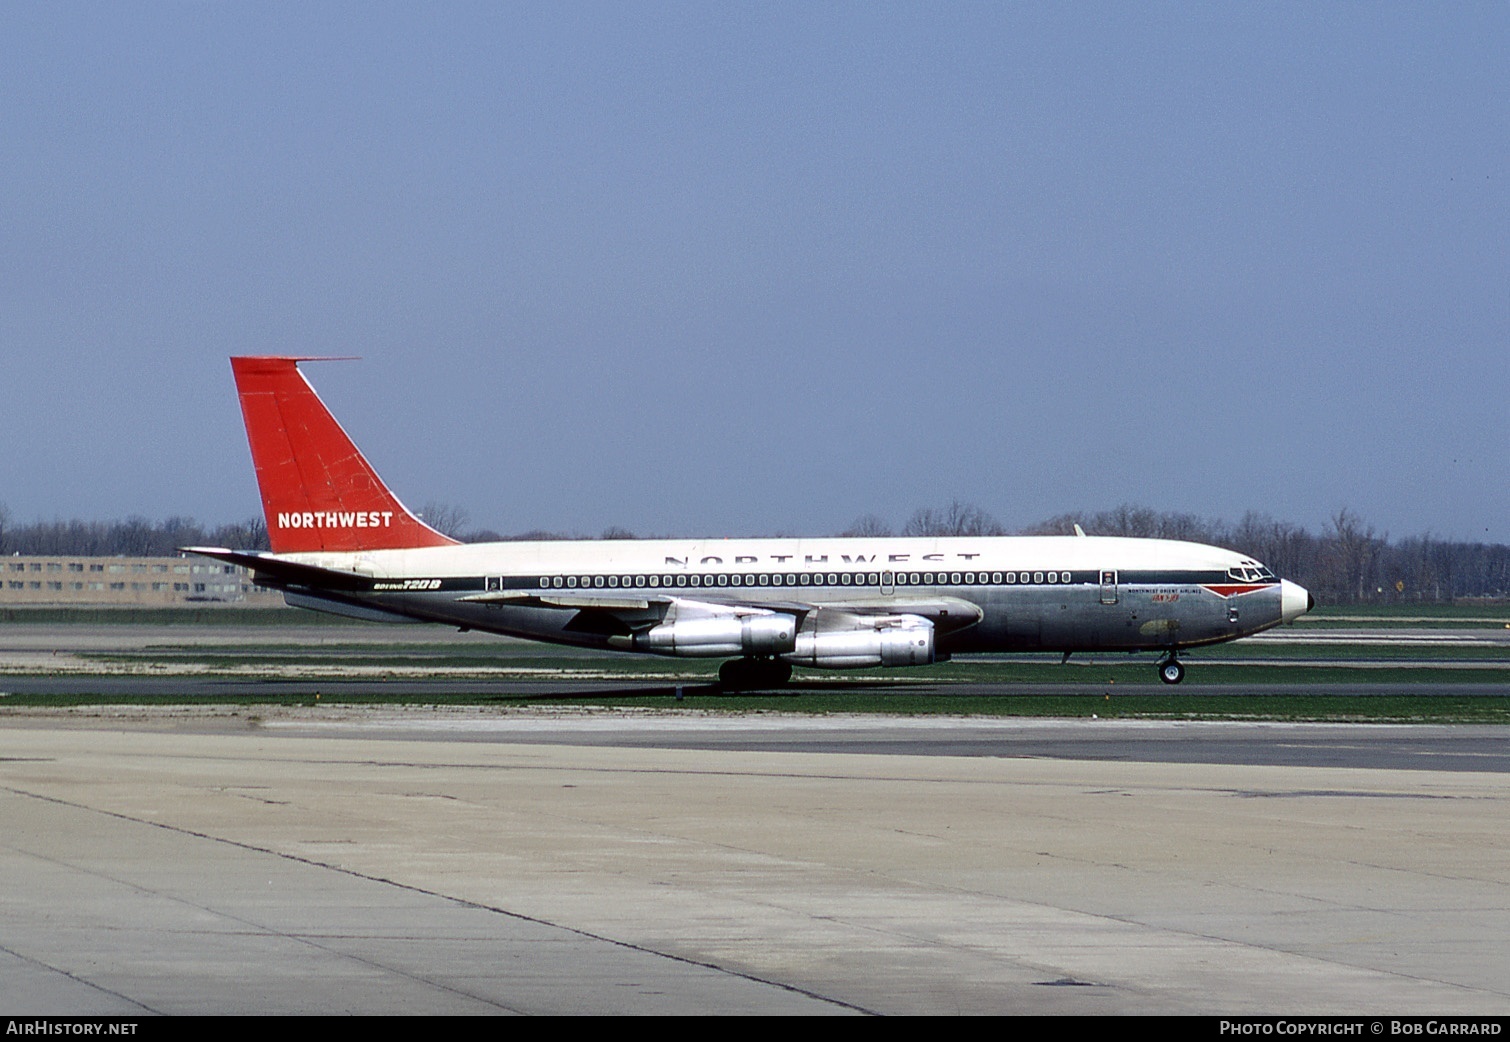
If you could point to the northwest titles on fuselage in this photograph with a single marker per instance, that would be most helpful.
(811, 559)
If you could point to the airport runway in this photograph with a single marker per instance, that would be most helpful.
(296, 859)
(397, 862)
(1476, 748)
(1454, 747)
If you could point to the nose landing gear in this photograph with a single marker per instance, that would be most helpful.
(1171, 671)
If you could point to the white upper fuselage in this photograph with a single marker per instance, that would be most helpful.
(711, 556)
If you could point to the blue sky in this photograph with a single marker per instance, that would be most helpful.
(714, 269)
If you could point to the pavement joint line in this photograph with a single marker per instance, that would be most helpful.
(78, 980)
(460, 902)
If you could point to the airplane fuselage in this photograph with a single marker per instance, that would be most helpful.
(1062, 593)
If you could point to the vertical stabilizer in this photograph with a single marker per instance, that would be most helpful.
(318, 491)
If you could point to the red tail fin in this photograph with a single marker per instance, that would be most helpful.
(318, 491)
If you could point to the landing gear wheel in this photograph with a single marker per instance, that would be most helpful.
(1171, 671)
(749, 674)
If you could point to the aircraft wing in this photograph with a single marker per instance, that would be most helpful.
(947, 613)
(580, 599)
(626, 612)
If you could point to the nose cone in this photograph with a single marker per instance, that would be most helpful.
(1294, 601)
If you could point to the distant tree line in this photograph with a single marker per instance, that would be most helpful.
(133, 537)
(1348, 562)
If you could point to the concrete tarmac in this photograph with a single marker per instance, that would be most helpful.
(250, 868)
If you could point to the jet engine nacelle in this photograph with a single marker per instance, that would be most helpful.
(721, 637)
(896, 642)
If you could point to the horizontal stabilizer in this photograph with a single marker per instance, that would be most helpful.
(285, 573)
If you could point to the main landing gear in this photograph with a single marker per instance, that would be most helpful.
(1170, 670)
(749, 674)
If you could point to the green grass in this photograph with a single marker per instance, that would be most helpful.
(1424, 616)
(1183, 705)
(1446, 665)
(1267, 652)
(1219, 665)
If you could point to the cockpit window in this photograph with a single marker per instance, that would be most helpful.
(1250, 572)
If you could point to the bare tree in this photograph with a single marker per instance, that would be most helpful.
(1353, 554)
(1062, 524)
(867, 526)
(955, 519)
(1288, 549)
(536, 535)
(445, 519)
(250, 534)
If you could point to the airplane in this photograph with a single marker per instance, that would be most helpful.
(342, 542)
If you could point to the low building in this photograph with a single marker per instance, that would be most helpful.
(127, 581)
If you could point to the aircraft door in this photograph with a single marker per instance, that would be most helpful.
(1109, 587)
